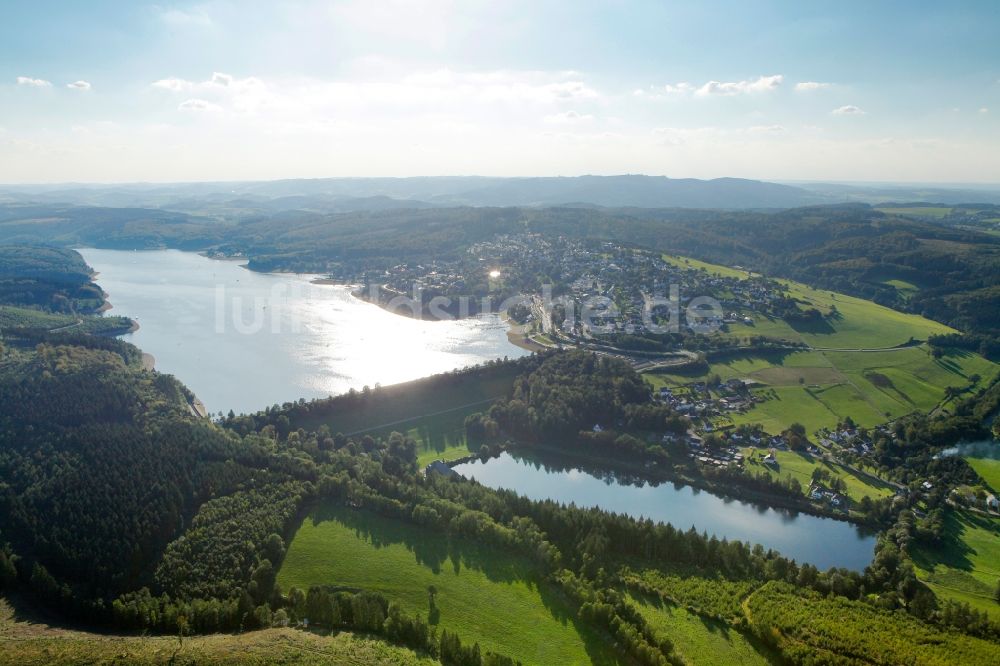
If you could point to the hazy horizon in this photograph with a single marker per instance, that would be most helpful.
(986, 185)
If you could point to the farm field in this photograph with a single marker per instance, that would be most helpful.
(866, 363)
(917, 211)
(785, 405)
(483, 594)
(966, 566)
(718, 269)
(855, 324)
(801, 465)
(819, 388)
(700, 640)
(26, 643)
(989, 469)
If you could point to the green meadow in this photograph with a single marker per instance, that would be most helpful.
(905, 289)
(936, 212)
(819, 388)
(800, 465)
(966, 565)
(852, 323)
(482, 593)
(989, 469)
(699, 639)
(866, 361)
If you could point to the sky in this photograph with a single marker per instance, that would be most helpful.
(884, 91)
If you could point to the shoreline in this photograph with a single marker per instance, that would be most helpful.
(517, 336)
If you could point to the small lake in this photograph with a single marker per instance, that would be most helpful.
(244, 341)
(823, 542)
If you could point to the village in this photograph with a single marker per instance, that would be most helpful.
(623, 289)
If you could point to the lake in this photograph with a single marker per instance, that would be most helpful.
(244, 341)
(823, 542)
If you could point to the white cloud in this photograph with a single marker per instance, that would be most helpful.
(33, 83)
(848, 110)
(766, 129)
(82, 86)
(807, 86)
(984, 110)
(730, 88)
(681, 88)
(569, 117)
(723, 88)
(173, 84)
(196, 16)
(220, 79)
(198, 105)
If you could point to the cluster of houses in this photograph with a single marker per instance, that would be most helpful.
(852, 439)
(698, 402)
(432, 277)
(818, 493)
(634, 282)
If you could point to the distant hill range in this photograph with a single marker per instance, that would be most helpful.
(332, 195)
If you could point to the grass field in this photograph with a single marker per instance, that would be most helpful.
(800, 466)
(989, 469)
(26, 643)
(936, 212)
(484, 594)
(785, 405)
(864, 362)
(714, 269)
(966, 566)
(700, 640)
(855, 324)
(817, 388)
(905, 289)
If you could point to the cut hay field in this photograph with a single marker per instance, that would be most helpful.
(966, 566)
(29, 643)
(483, 594)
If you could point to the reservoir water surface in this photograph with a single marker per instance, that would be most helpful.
(244, 341)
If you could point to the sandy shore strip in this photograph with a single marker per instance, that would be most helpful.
(517, 335)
